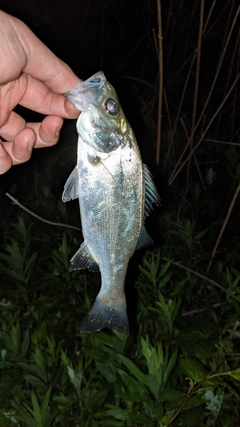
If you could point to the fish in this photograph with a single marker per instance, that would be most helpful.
(115, 191)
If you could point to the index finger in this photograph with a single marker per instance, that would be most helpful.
(41, 63)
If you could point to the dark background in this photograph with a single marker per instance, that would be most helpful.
(119, 37)
(111, 35)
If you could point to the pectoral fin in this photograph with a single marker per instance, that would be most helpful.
(71, 190)
(83, 259)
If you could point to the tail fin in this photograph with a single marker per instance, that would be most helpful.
(103, 315)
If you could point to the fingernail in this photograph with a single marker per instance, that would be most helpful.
(57, 133)
(2, 151)
(31, 144)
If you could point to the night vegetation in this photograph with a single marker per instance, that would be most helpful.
(180, 365)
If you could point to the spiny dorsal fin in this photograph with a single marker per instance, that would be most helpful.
(151, 193)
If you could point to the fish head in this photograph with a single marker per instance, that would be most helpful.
(102, 123)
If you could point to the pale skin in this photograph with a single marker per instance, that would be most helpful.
(31, 76)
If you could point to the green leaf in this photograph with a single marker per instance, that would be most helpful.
(128, 415)
(170, 366)
(165, 267)
(193, 369)
(171, 394)
(194, 401)
(5, 420)
(35, 381)
(132, 385)
(36, 409)
(146, 348)
(25, 343)
(44, 408)
(107, 370)
(139, 375)
(34, 369)
(235, 374)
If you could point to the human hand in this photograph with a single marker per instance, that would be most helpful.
(32, 76)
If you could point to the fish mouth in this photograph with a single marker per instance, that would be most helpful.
(86, 92)
(97, 79)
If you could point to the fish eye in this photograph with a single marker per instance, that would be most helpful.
(111, 107)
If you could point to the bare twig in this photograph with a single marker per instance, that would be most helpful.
(173, 130)
(194, 157)
(177, 171)
(160, 90)
(184, 91)
(209, 16)
(222, 142)
(196, 90)
(204, 278)
(190, 313)
(57, 224)
(223, 226)
(178, 168)
(138, 80)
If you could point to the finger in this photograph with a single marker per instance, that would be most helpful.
(20, 150)
(13, 57)
(40, 98)
(35, 135)
(46, 67)
(47, 132)
(14, 124)
(5, 160)
(21, 48)
(42, 63)
(32, 94)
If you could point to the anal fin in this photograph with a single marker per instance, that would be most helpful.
(144, 239)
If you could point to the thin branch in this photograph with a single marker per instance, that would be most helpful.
(222, 142)
(160, 90)
(177, 171)
(190, 313)
(223, 226)
(178, 168)
(199, 49)
(57, 224)
(138, 80)
(204, 278)
(173, 130)
(194, 156)
(196, 90)
(209, 16)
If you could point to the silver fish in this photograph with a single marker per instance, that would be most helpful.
(115, 192)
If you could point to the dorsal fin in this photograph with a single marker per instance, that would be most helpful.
(151, 193)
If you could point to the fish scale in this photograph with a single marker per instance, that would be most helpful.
(115, 192)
